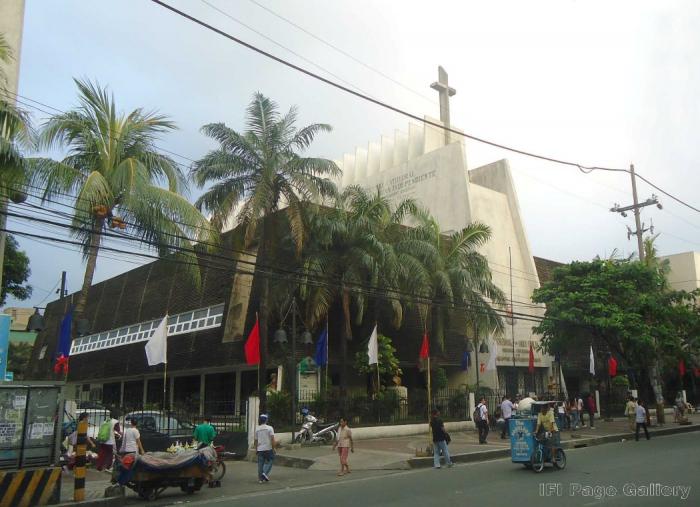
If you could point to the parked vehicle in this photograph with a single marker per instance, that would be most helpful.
(160, 430)
(313, 431)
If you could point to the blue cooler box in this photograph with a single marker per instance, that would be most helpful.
(522, 438)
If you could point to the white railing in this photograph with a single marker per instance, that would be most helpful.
(186, 322)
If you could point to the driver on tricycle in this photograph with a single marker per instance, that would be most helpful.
(547, 423)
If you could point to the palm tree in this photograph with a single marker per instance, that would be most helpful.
(257, 172)
(357, 250)
(460, 275)
(15, 135)
(113, 172)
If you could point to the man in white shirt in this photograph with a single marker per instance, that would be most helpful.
(131, 440)
(641, 420)
(483, 422)
(264, 446)
(506, 413)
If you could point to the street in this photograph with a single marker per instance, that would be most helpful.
(600, 475)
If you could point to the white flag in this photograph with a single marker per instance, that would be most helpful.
(491, 365)
(157, 346)
(373, 348)
(591, 366)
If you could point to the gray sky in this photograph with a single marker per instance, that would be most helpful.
(600, 83)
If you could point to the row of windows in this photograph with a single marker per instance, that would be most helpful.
(195, 320)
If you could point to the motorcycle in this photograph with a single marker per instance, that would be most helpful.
(312, 431)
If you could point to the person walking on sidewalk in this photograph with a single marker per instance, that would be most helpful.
(440, 439)
(264, 447)
(506, 413)
(573, 410)
(107, 437)
(641, 420)
(590, 406)
(579, 405)
(631, 412)
(344, 444)
(482, 420)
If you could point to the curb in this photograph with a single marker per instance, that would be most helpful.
(284, 460)
(471, 457)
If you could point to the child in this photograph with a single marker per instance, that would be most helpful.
(344, 444)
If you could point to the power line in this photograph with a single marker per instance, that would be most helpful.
(344, 53)
(581, 167)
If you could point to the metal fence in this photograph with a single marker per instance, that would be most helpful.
(389, 407)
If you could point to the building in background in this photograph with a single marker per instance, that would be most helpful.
(685, 270)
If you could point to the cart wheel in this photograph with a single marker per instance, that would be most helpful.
(218, 470)
(537, 460)
(148, 494)
(560, 462)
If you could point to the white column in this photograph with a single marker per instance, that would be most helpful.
(472, 404)
(597, 403)
(201, 393)
(252, 418)
(237, 394)
(121, 394)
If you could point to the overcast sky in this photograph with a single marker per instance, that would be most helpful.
(596, 82)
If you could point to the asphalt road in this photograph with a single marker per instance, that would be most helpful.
(614, 474)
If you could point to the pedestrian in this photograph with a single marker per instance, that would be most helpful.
(506, 413)
(561, 415)
(131, 439)
(440, 439)
(631, 412)
(573, 405)
(482, 420)
(579, 405)
(204, 433)
(107, 438)
(264, 447)
(344, 443)
(590, 405)
(641, 420)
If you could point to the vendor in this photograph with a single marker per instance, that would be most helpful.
(204, 433)
(545, 420)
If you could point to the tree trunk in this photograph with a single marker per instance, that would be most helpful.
(93, 250)
(657, 387)
(347, 336)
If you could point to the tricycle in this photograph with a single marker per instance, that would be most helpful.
(528, 448)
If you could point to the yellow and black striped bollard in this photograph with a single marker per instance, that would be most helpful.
(79, 469)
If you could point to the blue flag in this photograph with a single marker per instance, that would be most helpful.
(64, 337)
(321, 357)
(466, 359)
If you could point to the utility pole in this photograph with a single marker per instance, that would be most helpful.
(636, 207)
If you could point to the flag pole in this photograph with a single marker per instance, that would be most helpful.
(327, 348)
(165, 380)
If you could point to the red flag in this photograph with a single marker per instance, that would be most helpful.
(681, 368)
(612, 366)
(252, 345)
(424, 348)
(531, 362)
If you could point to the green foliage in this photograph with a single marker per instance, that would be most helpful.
(619, 305)
(15, 272)
(114, 170)
(388, 362)
(19, 354)
(620, 380)
(279, 407)
(439, 379)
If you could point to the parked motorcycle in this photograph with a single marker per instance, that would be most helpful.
(313, 431)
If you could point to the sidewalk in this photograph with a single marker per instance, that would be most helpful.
(397, 453)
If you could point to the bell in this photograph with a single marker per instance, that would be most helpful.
(36, 322)
(483, 348)
(82, 327)
(280, 336)
(306, 338)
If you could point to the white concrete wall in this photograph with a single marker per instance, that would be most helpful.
(685, 271)
(11, 26)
